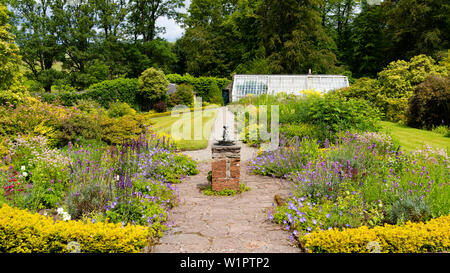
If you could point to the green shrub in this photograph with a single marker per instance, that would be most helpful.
(395, 85)
(88, 106)
(215, 94)
(441, 130)
(116, 130)
(364, 88)
(120, 109)
(87, 199)
(106, 92)
(409, 208)
(430, 104)
(152, 87)
(75, 126)
(334, 113)
(184, 95)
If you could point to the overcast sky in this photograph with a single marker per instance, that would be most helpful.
(173, 30)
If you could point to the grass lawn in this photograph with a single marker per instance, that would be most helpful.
(206, 118)
(412, 139)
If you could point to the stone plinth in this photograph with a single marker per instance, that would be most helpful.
(226, 167)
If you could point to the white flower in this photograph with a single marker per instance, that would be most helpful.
(66, 216)
(22, 168)
(25, 174)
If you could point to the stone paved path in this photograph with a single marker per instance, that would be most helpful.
(235, 224)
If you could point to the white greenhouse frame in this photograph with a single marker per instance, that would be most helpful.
(290, 84)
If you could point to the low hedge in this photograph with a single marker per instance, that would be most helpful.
(431, 236)
(106, 92)
(25, 232)
(201, 85)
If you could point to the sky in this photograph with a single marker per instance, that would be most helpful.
(173, 30)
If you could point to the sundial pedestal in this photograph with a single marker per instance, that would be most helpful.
(226, 167)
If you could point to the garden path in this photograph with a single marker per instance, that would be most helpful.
(236, 224)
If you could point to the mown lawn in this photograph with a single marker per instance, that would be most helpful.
(411, 139)
(204, 118)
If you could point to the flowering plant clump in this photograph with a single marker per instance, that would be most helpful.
(128, 183)
(292, 155)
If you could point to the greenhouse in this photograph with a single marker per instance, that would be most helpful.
(291, 84)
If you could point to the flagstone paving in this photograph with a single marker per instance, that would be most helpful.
(236, 224)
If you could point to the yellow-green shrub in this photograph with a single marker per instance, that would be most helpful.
(431, 236)
(22, 231)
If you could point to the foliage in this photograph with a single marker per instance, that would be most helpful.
(215, 94)
(368, 43)
(397, 82)
(319, 117)
(431, 236)
(61, 124)
(9, 54)
(430, 104)
(120, 109)
(364, 88)
(202, 85)
(413, 209)
(106, 92)
(337, 114)
(395, 85)
(144, 13)
(25, 232)
(152, 87)
(417, 27)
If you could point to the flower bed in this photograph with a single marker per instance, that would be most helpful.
(132, 183)
(361, 180)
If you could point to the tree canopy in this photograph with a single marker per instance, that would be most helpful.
(78, 43)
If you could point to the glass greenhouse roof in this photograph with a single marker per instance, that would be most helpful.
(291, 84)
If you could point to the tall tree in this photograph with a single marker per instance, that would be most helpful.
(37, 38)
(76, 29)
(207, 42)
(294, 38)
(418, 27)
(144, 14)
(370, 45)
